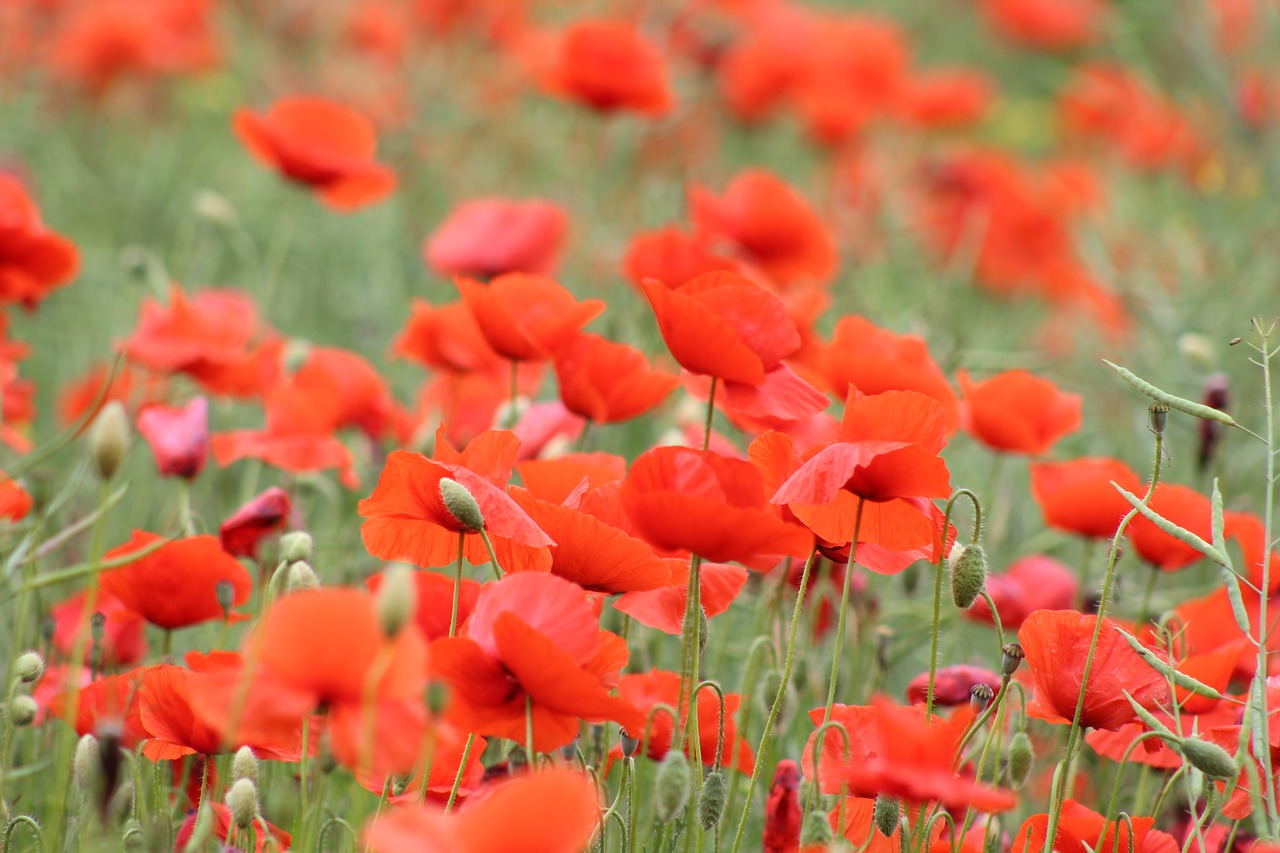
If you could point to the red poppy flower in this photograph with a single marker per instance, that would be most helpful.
(556, 478)
(1080, 828)
(607, 382)
(492, 236)
(307, 400)
(106, 705)
(681, 499)
(854, 819)
(326, 146)
(179, 437)
(782, 811)
(647, 690)
(945, 98)
(533, 639)
(609, 66)
(553, 811)
(324, 648)
(1250, 533)
(133, 387)
(875, 360)
(15, 503)
(1018, 412)
(771, 225)
(406, 517)
(300, 452)
(164, 707)
(433, 599)
(671, 256)
(1078, 497)
(245, 529)
(222, 826)
(952, 685)
(33, 260)
(445, 337)
(124, 639)
(1029, 584)
(1186, 508)
(176, 585)
(1048, 24)
(526, 317)
(1057, 644)
(546, 428)
(664, 609)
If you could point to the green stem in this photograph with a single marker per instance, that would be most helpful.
(941, 558)
(497, 569)
(1260, 721)
(457, 586)
(462, 767)
(529, 755)
(711, 410)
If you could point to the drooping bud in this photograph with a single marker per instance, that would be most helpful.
(461, 505)
(630, 745)
(245, 765)
(968, 566)
(671, 786)
(109, 439)
(29, 667)
(397, 599)
(1209, 758)
(1158, 416)
(85, 762)
(816, 830)
(1020, 759)
(23, 710)
(242, 800)
(1011, 655)
(980, 696)
(301, 577)
(711, 803)
(295, 546)
(887, 814)
(399, 783)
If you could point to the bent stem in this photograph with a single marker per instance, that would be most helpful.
(941, 558)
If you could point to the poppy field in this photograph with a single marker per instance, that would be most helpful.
(528, 426)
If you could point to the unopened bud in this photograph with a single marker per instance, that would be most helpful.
(213, 207)
(225, 592)
(711, 803)
(437, 697)
(1021, 757)
(671, 786)
(397, 599)
(245, 765)
(29, 667)
(301, 577)
(242, 800)
(1011, 655)
(630, 745)
(816, 830)
(109, 439)
(1209, 758)
(23, 710)
(461, 505)
(968, 566)
(132, 837)
(1158, 416)
(887, 814)
(980, 696)
(295, 546)
(399, 783)
(85, 762)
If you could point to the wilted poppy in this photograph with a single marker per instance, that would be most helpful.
(609, 66)
(1057, 642)
(33, 259)
(324, 145)
(179, 437)
(526, 317)
(492, 236)
(607, 382)
(533, 646)
(1017, 412)
(180, 583)
(244, 529)
(1077, 496)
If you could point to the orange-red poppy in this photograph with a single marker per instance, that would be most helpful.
(33, 259)
(1186, 508)
(526, 317)
(1031, 583)
(487, 237)
(1080, 828)
(1017, 412)
(664, 608)
(326, 146)
(445, 337)
(609, 66)
(123, 639)
(1057, 642)
(15, 502)
(164, 708)
(945, 98)
(245, 528)
(178, 435)
(555, 479)
(106, 706)
(1077, 496)
(607, 382)
(133, 387)
(222, 825)
(647, 690)
(1047, 24)
(533, 643)
(177, 584)
(672, 256)
(433, 601)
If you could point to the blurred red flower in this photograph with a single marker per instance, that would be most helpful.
(33, 259)
(245, 528)
(607, 382)
(15, 502)
(1017, 412)
(491, 236)
(1047, 24)
(176, 584)
(1186, 508)
(124, 639)
(179, 436)
(433, 601)
(1031, 583)
(1077, 496)
(526, 317)
(951, 685)
(649, 689)
(1080, 828)
(672, 256)
(609, 66)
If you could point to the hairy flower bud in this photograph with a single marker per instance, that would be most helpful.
(968, 566)
(29, 667)
(671, 786)
(1020, 758)
(295, 546)
(109, 439)
(461, 505)
(242, 800)
(816, 830)
(23, 710)
(1209, 758)
(301, 577)
(887, 814)
(711, 803)
(397, 599)
(85, 761)
(245, 765)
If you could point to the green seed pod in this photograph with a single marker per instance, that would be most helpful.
(816, 830)
(29, 667)
(242, 800)
(968, 566)
(225, 592)
(295, 546)
(1158, 416)
(461, 505)
(109, 439)
(1021, 756)
(887, 815)
(1209, 758)
(1011, 655)
(711, 805)
(397, 599)
(671, 786)
(980, 696)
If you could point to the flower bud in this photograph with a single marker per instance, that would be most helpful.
(242, 800)
(295, 546)
(397, 599)
(1158, 416)
(225, 592)
(301, 577)
(132, 837)
(213, 208)
(461, 505)
(630, 745)
(109, 439)
(1209, 758)
(980, 696)
(671, 786)
(86, 760)
(245, 765)
(1011, 655)
(1020, 759)
(711, 804)
(887, 814)
(968, 566)
(23, 710)
(29, 667)
(816, 830)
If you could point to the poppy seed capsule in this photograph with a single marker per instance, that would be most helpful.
(816, 830)
(671, 786)
(109, 439)
(1011, 655)
(29, 667)
(968, 566)
(295, 546)
(23, 710)
(1020, 758)
(887, 814)
(245, 765)
(980, 696)
(397, 599)
(461, 505)
(711, 803)
(1158, 415)
(1209, 758)
(630, 745)
(242, 800)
